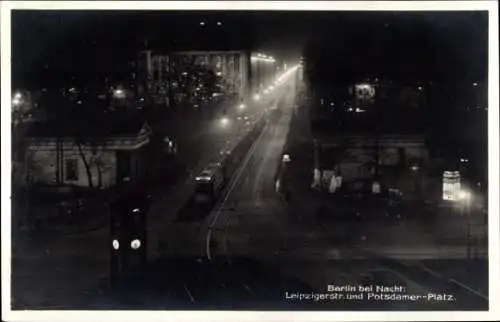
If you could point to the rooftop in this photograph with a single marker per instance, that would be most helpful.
(106, 125)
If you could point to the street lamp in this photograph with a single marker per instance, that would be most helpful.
(414, 171)
(17, 99)
(16, 102)
(242, 106)
(256, 97)
(119, 93)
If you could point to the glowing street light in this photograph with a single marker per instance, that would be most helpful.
(202, 23)
(464, 195)
(16, 101)
(219, 23)
(256, 97)
(119, 93)
(242, 106)
(224, 121)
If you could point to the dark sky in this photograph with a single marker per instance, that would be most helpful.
(407, 45)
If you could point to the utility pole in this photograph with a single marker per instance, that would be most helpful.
(376, 138)
(465, 207)
(59, 143)
(469, 236)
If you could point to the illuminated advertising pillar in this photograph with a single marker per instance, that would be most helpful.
(451, 185)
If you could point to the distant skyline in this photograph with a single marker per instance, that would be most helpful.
(441, 45)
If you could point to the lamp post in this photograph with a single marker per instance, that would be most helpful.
(465, 197)
(414, 171)
(224, 123)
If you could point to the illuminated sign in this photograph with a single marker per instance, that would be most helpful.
(451, 185)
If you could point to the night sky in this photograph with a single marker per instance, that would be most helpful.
(442, 46)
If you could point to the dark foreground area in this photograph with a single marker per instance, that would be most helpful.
(190, 283)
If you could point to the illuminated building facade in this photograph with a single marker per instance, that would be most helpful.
(195, 77)
(203, 77)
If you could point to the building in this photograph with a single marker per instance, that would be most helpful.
(109, 152)
(375, 135)
(199, 77)
(399, 161)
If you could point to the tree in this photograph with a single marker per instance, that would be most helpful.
(89, 136)
(80, 143)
